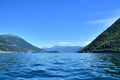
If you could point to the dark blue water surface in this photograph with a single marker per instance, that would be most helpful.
(59, 66)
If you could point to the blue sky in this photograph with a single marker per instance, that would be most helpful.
(45, 23)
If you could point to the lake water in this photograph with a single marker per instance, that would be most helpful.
(59, 66)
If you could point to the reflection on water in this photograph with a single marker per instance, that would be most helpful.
(59, 66)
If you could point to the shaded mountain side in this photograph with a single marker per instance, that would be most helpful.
(16, 44)
(64, 49)
(107, 42)
(7, 46)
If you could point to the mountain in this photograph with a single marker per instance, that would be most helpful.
(107, 42)
(52, 52)
(13, 43)
(64, 49)
(6, 46)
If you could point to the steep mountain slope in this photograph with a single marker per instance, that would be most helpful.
(7, 46)
(64, 49)
(17, 44)
(108, 41)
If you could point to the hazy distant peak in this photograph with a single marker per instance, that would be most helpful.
(64, 49)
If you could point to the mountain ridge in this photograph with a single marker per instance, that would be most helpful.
(63, 49)
(17, 44)
(107, 42)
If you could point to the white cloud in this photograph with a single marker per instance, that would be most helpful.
(65, 43)
(70, 43)
(92, 38)
(87, 42)
(110, 16)
(106, 21)
(106, 13)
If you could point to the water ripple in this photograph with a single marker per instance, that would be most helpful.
(60, 66)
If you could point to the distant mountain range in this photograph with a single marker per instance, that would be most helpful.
(64, 49)
(13, 43)
(107, 42)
